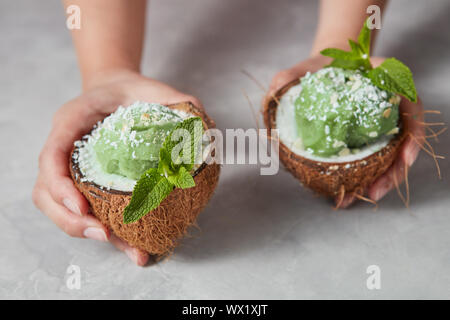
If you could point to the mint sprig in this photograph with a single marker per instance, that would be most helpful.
(148, 193)
(392, 75)
(358, 58)
(176, 159)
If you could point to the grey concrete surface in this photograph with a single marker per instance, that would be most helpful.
(261, 236)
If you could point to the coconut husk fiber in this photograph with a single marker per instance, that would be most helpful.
(160, 231)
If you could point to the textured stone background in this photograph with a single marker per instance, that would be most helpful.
(262, 236)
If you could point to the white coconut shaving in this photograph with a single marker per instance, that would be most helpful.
(287, 126)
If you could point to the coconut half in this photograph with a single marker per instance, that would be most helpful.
(159, 231)
(334, 176)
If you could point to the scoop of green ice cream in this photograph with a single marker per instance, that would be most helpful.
(129, 140)
(339, 109)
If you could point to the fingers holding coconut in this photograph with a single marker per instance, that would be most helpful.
(71, 224)
(184, 98)
(64, 193)
(54, 173)
(392, 177)
(69, 207)
(283, 77)
(54, 158)
(87, 227)
(280, 79)
(342, 132)
(123, 160)
(137, 87)
(139, 257)
(345, 201)
(412, 118)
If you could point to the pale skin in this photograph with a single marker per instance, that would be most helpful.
(109, 49)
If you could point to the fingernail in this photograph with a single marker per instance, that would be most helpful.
(95, 234)
(132, 255)
(382, 190)
(71, 206)
(410, 159)
(347, 202)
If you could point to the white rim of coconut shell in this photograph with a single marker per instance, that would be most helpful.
(90, 170)
(286, 124)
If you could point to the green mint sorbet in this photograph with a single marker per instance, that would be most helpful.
(338, 110)
(128, 141)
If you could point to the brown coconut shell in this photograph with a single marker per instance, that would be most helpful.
(158, 232)
(333, 178)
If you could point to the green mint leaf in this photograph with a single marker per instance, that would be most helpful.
(357, 58)
(357, 64)
(182, 179)
(364, 39)
(176, 159)
(189, 131)
(177, 175)
(392, 75)
(340, 54)
(356, 47)
(149, 191)
(166, 166)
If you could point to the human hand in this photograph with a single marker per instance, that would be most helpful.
(285, 76)
(54, 192)
(412, 116)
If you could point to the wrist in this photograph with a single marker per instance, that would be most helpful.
(108, 75)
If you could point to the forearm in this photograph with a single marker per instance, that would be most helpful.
(340, 20)
(110, 37)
